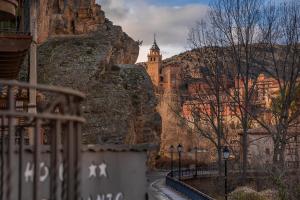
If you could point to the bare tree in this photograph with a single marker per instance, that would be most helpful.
(232, 28)
(247, 38)
(207, 100)
(280, 37)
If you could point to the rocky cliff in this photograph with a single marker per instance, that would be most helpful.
(68, 17)
(83, 50)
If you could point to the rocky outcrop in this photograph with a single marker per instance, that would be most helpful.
(122, 107)
(188, 59)
(71, 17)
(174, 129)
(81, 49)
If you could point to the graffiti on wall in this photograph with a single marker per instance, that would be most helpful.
(95, 171)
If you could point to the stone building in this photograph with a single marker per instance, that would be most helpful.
(164, 78)
(261, 147)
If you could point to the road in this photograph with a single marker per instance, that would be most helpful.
(154, 193)
(157, 189)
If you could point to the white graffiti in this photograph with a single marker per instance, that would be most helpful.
(102, 170)
(61, 172)
(98, 170)
(46, 172)
(29, 172)
(92, 169)
(108, 196)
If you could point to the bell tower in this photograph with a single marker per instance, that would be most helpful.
(154, 63)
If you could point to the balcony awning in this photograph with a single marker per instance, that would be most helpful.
(8, 9)
(13, 48)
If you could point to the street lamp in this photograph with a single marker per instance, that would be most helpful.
(196, 161)
(179, 149)
(172, 151)
(226, 154)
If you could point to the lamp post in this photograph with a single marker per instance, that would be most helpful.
(179, 149)
(172, 164)
(196, 161)
(226, 154)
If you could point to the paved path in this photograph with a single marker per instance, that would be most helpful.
(158, 190)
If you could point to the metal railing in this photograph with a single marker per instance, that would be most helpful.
(56, 123)
(188, 173)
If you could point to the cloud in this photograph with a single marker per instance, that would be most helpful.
(114, 8)
(141, 20)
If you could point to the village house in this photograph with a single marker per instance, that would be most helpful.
(261, 147)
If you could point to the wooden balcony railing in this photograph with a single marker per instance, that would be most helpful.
(13, 48)
(8, 9)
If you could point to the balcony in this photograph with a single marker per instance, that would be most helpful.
(14, 43)
(8, 9)
(13, 48)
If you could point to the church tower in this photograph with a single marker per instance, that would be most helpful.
(154, 63)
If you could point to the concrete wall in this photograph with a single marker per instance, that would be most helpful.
(105, 174)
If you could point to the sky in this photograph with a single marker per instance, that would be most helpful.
(170, 20)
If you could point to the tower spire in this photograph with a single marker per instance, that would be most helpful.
(154, 63)
(155, 46)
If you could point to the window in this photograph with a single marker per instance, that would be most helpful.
(268, 151)
(161, 79)
(292, 151)
(173, 78)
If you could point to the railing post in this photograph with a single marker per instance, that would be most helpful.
(172, 165)
(36, 158)
(196, 162)
(10, 144)
(32, 63)
(179, 166)
(2, 158)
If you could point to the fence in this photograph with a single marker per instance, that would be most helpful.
(57, 123)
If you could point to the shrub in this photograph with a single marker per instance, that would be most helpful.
(245, 193)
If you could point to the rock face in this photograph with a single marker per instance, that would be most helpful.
(174, 131)
(125, 107)
(81, 49)
(71, 17)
